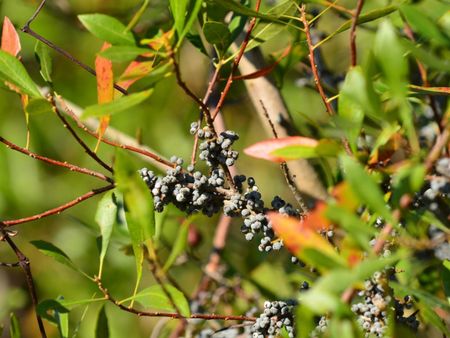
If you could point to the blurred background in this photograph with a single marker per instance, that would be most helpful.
(28, 187)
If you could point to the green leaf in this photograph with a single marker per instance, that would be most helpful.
(425, 26)
(391, 57)
(357, 229)
(218, 34)
(354, 102)
(105, 218)
(325, 148)
(241, 9)
(180, 242)
(102, 329)
(180, 10)
(39, 106)
(139, 205)
(42, 53)
(364, 187)
(57, 254)
(13, 71)
(121, 104)
(56, 313)
(107, 28)
(368, 17)
(14, 329)
(123, 53)
(426, 56)
(154, 297)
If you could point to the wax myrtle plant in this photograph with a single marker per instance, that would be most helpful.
(357, 245)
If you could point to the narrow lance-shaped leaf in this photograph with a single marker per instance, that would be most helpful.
(102, 329)
(14, 329)
(121, 104)
(56, 253)
(10, 38)
(13, 72)
(123, 53)
(139, 205)
(105, 88)
(364, 187)
(107, 28)
(42, 53)
(105, 218)
(154, 297)
(180, 242)
(38, 106)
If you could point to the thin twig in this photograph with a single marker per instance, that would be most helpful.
(168, 314)
(236, 63)
(208, 93)
(24, 263)
(69, 166)
(285, 168)
(140, 150)
(353, 53)
(56, 210)
(312, 61)
(10, 265)
(80, 141)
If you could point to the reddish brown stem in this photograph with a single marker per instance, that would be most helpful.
(236, 63)
(168, 314)
(353, 53)
(115, 144)
(81, 142)
(24, 263)
(56, 210)
(312, 63)
(69, 166)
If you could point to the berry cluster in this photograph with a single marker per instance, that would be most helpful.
(321, 327)
(276, 315)
(372, 310)
(191, 191)
(216, 151)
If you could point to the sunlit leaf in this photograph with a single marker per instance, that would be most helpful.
(123, 53)
(364, 187)
(154, 297)
(13, 72)
(10, 39)
(107, 28)
(266, 149)
(117, 106)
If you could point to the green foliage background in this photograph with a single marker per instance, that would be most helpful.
(28, 187)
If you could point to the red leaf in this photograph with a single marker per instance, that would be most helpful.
(135, 71)
(264, 149)
(10, 38)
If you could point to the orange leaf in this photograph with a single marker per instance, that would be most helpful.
(105, 77)
(264, 149)
(298, 236)
(105, 88)
(10, 38)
